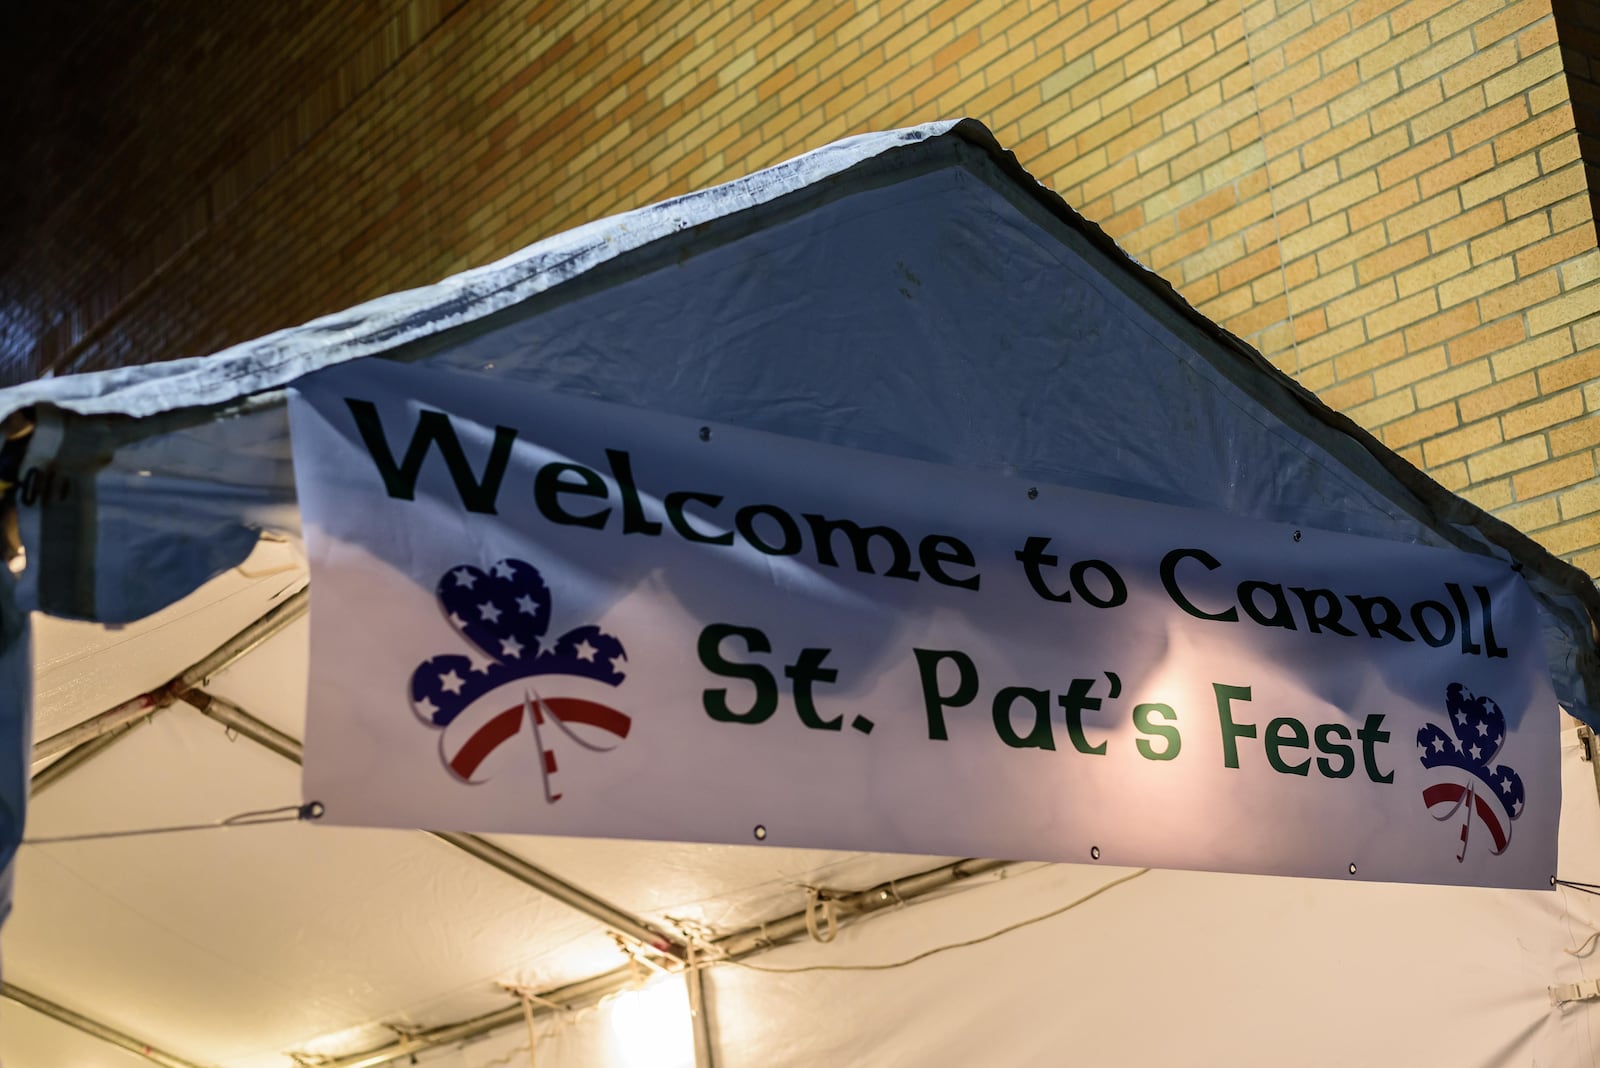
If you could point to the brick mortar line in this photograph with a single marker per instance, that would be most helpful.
(92, 332)
(1272, 200)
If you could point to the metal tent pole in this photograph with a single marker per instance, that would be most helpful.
(145, 704)
(736, 946)
(79, 1022)
(504, 861)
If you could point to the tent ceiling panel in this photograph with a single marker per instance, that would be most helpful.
(29, 1038)
(1174, 968)
(247, 941)
(81, 669)
(721, 887)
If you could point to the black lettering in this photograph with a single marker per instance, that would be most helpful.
(1328, 617)
(860, 539)
(680, 522)
(1280, 617)
(1034, 558)
(1118, 592)
(1367, 608)
(745, 522)
(1169, 580)
(550, 483)
(1419, 620)
(936, 550)
(400, 479)
(634, 520)
(1492, 648)
(1459, 599)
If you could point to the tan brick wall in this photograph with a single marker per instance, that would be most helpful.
(1385, 196)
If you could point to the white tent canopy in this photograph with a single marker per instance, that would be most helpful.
(913, 293)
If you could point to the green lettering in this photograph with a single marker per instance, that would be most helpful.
(711, 658)
(1073, 704)
(1039, 737)
(805, 672)
(1347, 759)
(1141, 721)
(1371, 736)
(935, 700)
(1295, 738)
(1231, 731)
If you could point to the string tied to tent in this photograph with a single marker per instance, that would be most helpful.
(819, 901)
(309, 811)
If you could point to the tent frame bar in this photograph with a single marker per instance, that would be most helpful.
(248, 726)
(79, 1022)
(735, 946)
(82, 742)
(152, 701)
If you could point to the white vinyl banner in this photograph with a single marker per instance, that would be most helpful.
(536, 613)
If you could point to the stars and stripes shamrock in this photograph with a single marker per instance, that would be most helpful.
(1493, 792)
(565, 681)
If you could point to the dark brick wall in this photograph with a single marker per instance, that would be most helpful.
(1578, 24)
(1391, 199)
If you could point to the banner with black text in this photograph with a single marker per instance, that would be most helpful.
(537, 613)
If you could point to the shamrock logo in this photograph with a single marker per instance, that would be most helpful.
(1494, 793)
(505, 612)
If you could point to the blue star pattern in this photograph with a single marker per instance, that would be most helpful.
(1480, 729)
(505, 612)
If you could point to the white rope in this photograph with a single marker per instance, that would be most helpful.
(925, 954)
(816, 901)
(311, 810)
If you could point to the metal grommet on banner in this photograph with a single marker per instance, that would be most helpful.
(1297, 535)
(1094, 852)
(705, 433)
(761, 832)
(1352, 867)
(1033, 493)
